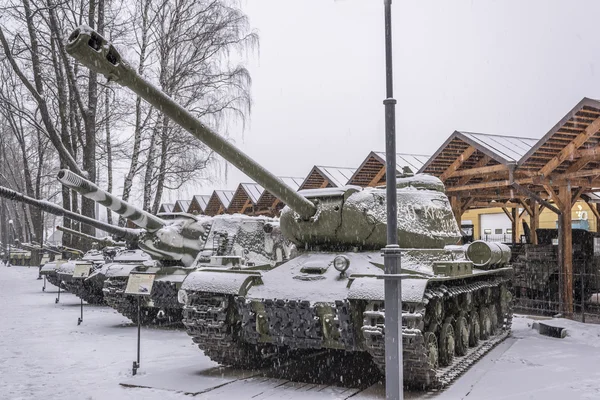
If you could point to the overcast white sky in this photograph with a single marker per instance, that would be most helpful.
(504, 67)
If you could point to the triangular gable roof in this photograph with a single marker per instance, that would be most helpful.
(253, 190)
(500, 149)
(373, 167)
(267, 200)
(198, 204)
(225, 196)
(166, 208)
(566, 131)
(413, 161)
(245, 198)
(181, 205)
(218, 202)
(329, 176)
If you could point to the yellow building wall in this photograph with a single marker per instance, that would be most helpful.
(547, 217)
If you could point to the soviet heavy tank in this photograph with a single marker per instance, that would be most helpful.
(89, 289)
(177, 242)
(332, 296)
(49, 270)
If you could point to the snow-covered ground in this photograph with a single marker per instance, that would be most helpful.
(45, 355)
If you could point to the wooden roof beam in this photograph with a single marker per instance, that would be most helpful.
(483, 161)
(569, 150)
(593, 152)
(457, 163)
(475, 186)
(576, 196)
(480, 171)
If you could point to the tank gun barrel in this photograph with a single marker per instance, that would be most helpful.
(90, 190)
(96, 53)
(125, 233)
(102, 241)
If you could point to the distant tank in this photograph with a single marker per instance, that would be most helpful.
(177, 242)
(331, 295)
(88, 289)
(49, 269)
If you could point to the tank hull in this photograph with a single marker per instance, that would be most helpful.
(258, 318)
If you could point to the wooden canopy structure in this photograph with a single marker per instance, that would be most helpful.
(198, 204)
(372, 170)
(268, 204)
(245, 198)
(219, 202)
(511, 172)
(181, 206)
(166, 208)
(323, 177)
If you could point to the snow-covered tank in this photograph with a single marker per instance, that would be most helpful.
(177, 242)
(332, 296)
(90, 288)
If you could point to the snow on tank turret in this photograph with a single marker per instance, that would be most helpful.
(331, 295)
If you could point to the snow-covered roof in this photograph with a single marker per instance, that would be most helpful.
(413, 161)
(510, 148)
(166, 207)
(338, 176)
(253, 190)
(292, 182)
(225, 196)
(322, 176)
(202, 200)
(181, 206)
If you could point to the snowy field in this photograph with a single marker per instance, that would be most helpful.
(45, 355)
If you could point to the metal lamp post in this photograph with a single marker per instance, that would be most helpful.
(10, 239)
(391, 253)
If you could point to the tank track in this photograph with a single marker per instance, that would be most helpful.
(87, 291)
(115, 297)
(55, 280)
(207, 321)
(420, 367)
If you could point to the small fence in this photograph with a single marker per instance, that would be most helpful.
(538, 279)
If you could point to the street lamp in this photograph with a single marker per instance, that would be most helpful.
(391, 253)
(10, 239)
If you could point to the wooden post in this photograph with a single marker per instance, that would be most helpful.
(534, 220)
(564, 193)
(456, 208)
(597, 205)
(515, 224)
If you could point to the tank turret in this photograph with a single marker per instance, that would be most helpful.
(177, 236)
(339, 218)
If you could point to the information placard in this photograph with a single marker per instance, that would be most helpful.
(82, 271)
(139, 284)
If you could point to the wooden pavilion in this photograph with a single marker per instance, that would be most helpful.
(511, 172)
(198, 204)
(270, 205)
(372, 170)
(166, 208)
(219, 202)
(245, 198)
(181, 206)
(323, 177)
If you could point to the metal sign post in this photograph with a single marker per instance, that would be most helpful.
(10, 239)
(82, 271)
(139, 284)
(58, 296)
(391, 253)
